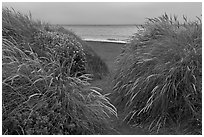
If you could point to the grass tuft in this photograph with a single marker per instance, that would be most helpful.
(24, 30)
(159, 77)
(46, 89)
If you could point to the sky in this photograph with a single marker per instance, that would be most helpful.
(105, 12)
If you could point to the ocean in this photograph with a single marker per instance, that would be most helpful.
(105, 33)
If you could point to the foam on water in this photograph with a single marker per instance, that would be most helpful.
(104, 33)
(107, 41)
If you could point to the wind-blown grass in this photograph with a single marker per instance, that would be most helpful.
(158, 80)
(22, 29)
(94, 64)
(43, 92)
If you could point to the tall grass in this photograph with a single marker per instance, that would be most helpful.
(94, 64)
(43, 92)
(158, 82)
(23, 29)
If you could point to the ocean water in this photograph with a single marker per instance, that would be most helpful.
(105, 33)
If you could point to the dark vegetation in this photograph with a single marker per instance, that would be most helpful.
(46, 81)
(52, 81)
(158, 82)
(94, 64)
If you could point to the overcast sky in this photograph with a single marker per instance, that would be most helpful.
(105, 12)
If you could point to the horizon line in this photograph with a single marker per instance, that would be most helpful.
(98, 24)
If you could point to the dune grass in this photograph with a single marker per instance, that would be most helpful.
(46, 87)
(95, 65)
(158, 82)
(23, 29)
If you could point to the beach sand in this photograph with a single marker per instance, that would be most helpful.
(107, 51)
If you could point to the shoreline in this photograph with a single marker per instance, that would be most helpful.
(106, 41)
